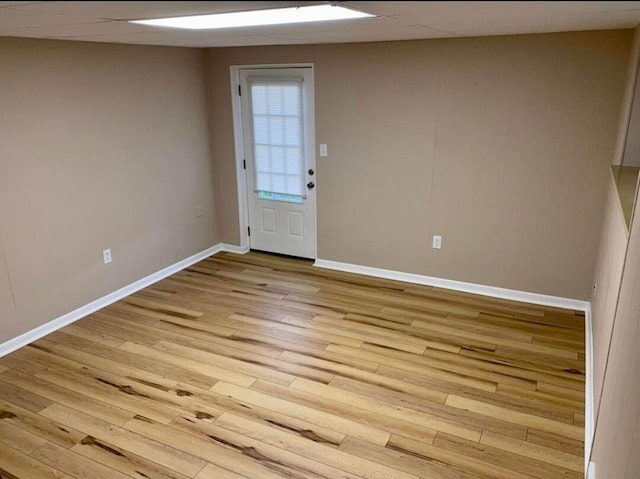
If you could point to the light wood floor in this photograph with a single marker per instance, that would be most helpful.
(263, 367)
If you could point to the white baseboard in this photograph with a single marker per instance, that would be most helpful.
(492, 291)
(64, 320)
(589, 403)
(231, 248)
(591, 471)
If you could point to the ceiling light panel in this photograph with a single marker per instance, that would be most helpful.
(278, 16)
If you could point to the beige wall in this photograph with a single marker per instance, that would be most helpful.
(628, 127)
(616, 448)
(500, 144)
(8, 319)
(613, 247)
(101, 146)
(615, 307)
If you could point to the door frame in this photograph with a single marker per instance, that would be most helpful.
(238, 140)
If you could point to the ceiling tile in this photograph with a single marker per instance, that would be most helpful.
(138, 10)
(12, 18)
(99, 27)
(10, 4)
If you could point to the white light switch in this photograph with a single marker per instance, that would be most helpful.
(437, 242)
(323, 150)
(106, 256)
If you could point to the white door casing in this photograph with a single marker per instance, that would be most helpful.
(279, 151)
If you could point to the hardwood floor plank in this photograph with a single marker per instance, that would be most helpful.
(302, 332)
(16, 465)
(19, 439)
(506, 460)
(26, 399)
(401, 324)
(430, 407)
(249, 368)
(255, 413)
(83, 331)
(283, 371)
(553, 400)
(219, 373)
(234, 452)
(154, 397)
(138, 362)
(455, 459)
(74, 464)
(111, 390)
(365, 376)
(416, 363)
(370, 334)
(408, 461)
(49, 430)
(544, 424)
(556, 442)
(358, 415)
(16, 362)
(534, 451)
(100, 327)
(537, 326)
(524, 371)
(177, 319)
(180, 334)
(67, 397)
(347, 371)
(256, 277)
(499, 341)
(305, 413)
(123, 370)
(317, 452)
(292, 345)
(385, 409)
(163, 307)
(212, 471)
(123, 460)
(169, 457)
(562, 391)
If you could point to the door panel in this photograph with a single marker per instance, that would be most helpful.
(279, 145)
(296, 224)
(268, 220)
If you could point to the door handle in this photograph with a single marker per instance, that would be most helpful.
(311, 185)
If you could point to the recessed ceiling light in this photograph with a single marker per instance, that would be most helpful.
(278, 16)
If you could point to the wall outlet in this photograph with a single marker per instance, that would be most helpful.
(323, 150)
(106, 256)
(437, 242)
(198, 211)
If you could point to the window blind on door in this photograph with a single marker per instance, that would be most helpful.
(278, 135)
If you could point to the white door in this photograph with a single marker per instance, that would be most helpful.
(279, 146)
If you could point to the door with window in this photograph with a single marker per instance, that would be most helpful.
(279, 147)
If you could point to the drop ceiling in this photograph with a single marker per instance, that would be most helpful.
(107, 21)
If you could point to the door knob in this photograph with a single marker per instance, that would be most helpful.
(311, 185)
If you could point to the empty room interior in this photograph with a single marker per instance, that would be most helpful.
(326, 240)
